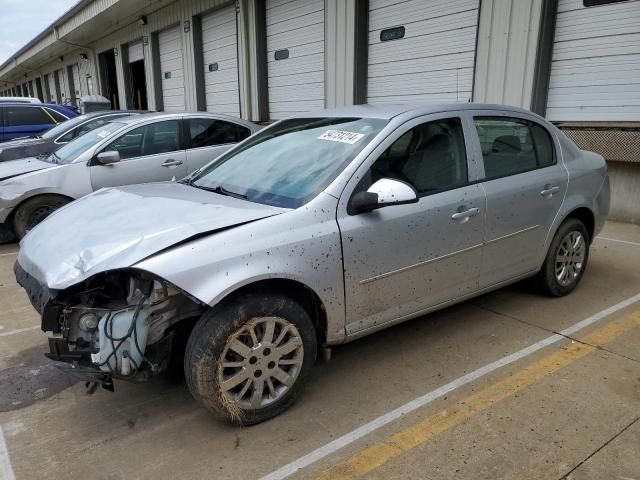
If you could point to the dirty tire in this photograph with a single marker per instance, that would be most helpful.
(546, 279)
(6, 234)
(208, 343)
(35, 210)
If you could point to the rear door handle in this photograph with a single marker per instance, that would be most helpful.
(172, 163)
(548, 191)
(465, 215)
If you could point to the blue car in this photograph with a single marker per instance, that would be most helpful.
(19, 120)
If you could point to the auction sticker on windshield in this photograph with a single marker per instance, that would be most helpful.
(341, 136)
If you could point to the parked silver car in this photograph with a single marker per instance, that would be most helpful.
(143, 148)
(61, 134)
(317, 230)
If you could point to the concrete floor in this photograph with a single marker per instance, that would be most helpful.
(578, 422)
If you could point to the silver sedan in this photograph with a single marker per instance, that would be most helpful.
(320, 229)
(136, 149)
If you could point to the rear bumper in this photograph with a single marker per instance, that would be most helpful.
(603, 203)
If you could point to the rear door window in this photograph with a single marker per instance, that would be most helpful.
(513, 145)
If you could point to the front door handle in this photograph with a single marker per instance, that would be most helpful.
(465, 215)
(172, 163)
(548, 191)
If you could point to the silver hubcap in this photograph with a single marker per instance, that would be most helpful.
(570, 258)
(260, 362)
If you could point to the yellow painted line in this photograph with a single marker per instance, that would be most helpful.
(394, 446)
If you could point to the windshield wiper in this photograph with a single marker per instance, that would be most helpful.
(220, 190)
(54, 157)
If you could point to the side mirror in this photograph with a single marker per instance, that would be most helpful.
(384, 193)
(105, 158)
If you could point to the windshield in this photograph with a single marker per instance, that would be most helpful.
(290, 163)
(75, 148)
(63, 127)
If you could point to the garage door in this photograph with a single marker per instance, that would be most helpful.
(172, 72)
(595, 71)
(136, 51)
(76, 82)
(421, 50)
(220, 58)
(295, 56)
(53, 94)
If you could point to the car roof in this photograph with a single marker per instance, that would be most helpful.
(101, 113)
(164, 115)
(21, 100)
(387, 112)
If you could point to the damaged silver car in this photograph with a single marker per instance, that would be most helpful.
(315, 231)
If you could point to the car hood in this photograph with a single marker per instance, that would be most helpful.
(15, 168)
(118, 227)
(19, 142)
(27, 147)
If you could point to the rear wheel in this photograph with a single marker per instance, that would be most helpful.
(566, 259)
(34, 211)
(248, 359)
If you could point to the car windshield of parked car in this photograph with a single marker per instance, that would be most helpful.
(63, 127)
(289, 163)
(77, 147)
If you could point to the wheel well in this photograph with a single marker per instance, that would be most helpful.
(585, 216)
(9, 220)
(303, 295)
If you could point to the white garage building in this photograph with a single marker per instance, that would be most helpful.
(575, 61)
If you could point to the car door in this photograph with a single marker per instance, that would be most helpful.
(150, 153)
(25, 121)
(404, 259)
(525, 182)
(208, 138)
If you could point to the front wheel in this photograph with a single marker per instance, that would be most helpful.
(248, 359)
(566, 259)
(34, 211)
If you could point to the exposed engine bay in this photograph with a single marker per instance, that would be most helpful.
(117, 324)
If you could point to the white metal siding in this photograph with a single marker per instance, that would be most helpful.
(434, 60)
(136, 51)
(171, 66)
(595, 74)
(506, 51)
(220, 48)
(295, 84)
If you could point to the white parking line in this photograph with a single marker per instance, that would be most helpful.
(626, 242)
(8, 254)
(14, 332)
(387, 418)
(6, 472)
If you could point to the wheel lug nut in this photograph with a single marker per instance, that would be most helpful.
(258, 373)
(271, 365)
(253, 360)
